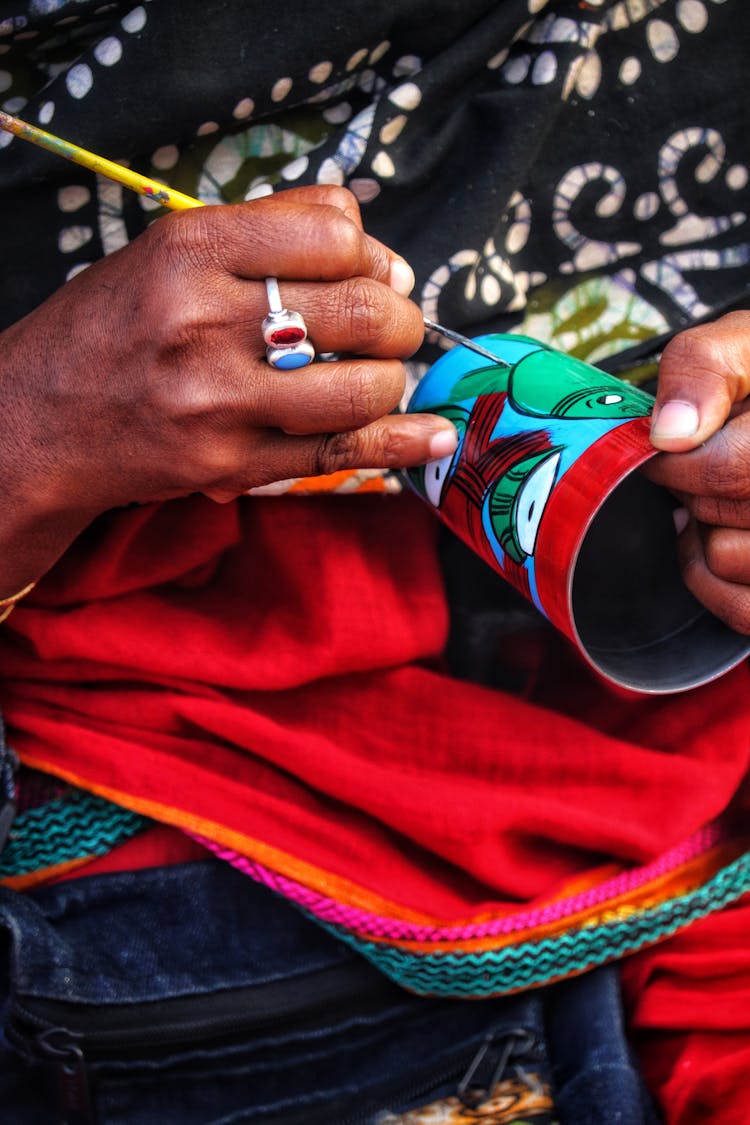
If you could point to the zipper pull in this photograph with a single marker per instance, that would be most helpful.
(58, 1047)
(488, 1066)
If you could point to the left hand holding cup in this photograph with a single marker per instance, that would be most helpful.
(702, 420)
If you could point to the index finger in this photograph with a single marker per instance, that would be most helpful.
(282, 237)
(401, 274)
(719, 468)
(727, 599)
(329, 194)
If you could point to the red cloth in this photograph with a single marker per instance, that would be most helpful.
(688, 1004)
(273, 667)
(156, 846)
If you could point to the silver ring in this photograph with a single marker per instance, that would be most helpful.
(284, 333)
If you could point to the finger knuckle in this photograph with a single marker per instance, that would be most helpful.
(384, 446)
(692, 563)
(188, 401)
(737, 612)
(333, 195)
(366, 314)
(720, 511)
(203, 422)
(215, 460)
(702, 358)
(693, 348)
(733, 443)
(368, 391)
(348, 235)
(329, 231)
(334, 451)
(361, 401)
(347, 238)
(393, 449)
(702, 508)
(715, 551)
(181, 336)
(735, 323)
(186, 239)
(720, 476)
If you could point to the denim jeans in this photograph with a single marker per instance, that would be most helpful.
(188, 994)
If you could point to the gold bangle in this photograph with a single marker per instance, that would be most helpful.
(7, 604)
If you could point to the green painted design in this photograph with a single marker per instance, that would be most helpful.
(518, 497)
(565, 388)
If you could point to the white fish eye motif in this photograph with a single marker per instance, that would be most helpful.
(532, 500)
(435, 475)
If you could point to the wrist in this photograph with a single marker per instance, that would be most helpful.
(31, 542)
(45, 505)
(40, 516)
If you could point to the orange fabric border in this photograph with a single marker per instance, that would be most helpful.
(347, 893)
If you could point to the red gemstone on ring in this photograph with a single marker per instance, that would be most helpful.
(283, 337)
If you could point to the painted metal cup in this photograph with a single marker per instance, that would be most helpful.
(543, 487)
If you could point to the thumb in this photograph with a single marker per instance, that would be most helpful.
(703, 372)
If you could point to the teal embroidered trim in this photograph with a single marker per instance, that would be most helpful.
(77, 825)
(534, 963)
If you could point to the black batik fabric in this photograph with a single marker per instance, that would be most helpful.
(575, 169)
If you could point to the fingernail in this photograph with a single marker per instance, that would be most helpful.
(402, 277)
(443, 443)
(675, 420)
(681, 517)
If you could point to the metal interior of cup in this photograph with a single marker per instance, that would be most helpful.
(636, 620)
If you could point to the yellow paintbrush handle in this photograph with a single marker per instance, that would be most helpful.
(166, 196)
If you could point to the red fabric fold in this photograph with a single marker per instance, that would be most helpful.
(688, 1005)
(274, 667)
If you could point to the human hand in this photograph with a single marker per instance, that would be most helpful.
(702, 417)
(144, 377)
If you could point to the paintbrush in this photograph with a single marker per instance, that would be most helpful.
(165, 196)
(174, 200)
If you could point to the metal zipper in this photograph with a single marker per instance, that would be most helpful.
(176, 1020)
(59, 1049)
(64, 1037)
(500, 1050)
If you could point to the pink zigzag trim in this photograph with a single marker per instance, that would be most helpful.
(367, 923)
